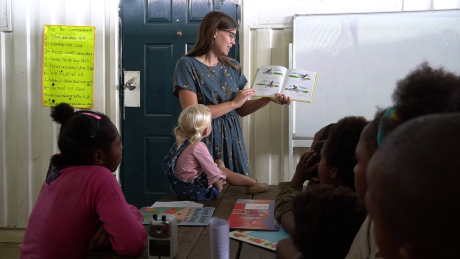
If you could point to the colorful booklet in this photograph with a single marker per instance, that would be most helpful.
(297, 83)
(253, 215)
(265, 239)
(186, 216)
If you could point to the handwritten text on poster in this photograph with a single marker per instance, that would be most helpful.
(68, 65)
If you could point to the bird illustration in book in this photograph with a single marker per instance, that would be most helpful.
(303, 76)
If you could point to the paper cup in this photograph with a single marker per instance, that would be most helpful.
(220, 239)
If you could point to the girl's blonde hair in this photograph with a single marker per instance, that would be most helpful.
(192, 121)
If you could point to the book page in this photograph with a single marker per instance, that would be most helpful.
(299, 85)
(268, 80)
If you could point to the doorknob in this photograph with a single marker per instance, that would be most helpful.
(131, 84)
(179, 34)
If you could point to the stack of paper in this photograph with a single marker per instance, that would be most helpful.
(177, 204)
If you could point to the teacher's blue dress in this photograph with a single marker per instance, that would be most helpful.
(215, 85)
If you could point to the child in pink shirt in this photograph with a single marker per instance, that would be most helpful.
(189, 166)
(81, 204)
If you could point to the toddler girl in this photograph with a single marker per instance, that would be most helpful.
(189, 166)
(81, 203)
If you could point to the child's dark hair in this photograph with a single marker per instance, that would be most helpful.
(326, 221)
(326, 132)
(81, 134)
(339, 149)
(370, 136)
(427, 90)
(424, 90)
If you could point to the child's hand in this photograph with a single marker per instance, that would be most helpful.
(305, 169)
(100, 239)
(220, 163)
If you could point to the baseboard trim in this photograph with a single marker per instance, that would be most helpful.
(11, 235)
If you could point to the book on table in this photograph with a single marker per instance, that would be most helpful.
(265, 239)
(298, 84)
(253, 215)
(186, 216)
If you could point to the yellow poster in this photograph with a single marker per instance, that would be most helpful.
(68, 65)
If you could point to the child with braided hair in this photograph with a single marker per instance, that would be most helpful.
(81, 204)
(412, 189)
(425, 90)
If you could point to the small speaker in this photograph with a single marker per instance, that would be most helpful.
(162, 236)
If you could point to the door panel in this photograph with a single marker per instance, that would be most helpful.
(159, 12)
(151, 46)
(158, 96)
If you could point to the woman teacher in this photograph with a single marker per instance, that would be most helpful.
(207, 76)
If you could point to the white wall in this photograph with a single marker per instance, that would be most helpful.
(266, 30)
(27, 134)
(28, 137)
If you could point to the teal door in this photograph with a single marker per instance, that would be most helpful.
(155, 34)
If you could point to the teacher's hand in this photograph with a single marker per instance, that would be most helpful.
(281, 99)
(243, 96)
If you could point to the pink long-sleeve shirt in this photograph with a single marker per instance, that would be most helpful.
(195, 159)
(72, 208)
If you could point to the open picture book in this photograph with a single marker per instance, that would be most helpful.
(296, 83)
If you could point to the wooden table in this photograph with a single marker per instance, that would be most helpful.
(194, 243)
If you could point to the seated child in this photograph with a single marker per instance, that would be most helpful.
(413, 183)
(307, 167)
(306, 170)
(423, 91)
(335, 168)
(307, 173)
(326, 221)
(364, 245)
(339, 156)
(81, 203)
(189, 167)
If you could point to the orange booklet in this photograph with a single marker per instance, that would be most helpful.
(253, 215)
(265, 239)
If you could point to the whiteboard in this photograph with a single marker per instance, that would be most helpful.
(360, 57)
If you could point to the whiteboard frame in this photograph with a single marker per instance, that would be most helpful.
(6, 16)
(295, 141)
